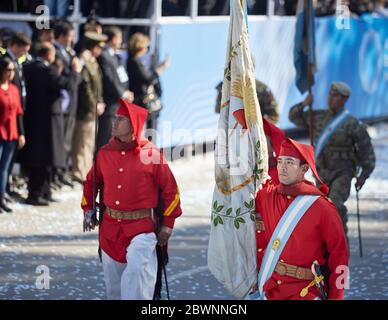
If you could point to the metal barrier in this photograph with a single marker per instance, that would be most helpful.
(153, 22)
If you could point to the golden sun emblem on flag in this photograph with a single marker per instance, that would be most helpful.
(244, 87)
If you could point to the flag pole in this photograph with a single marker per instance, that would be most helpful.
(309, 68)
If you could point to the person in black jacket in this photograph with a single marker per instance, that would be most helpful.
(143, 82)
(115, 83)
(64, 36)
(43, 85)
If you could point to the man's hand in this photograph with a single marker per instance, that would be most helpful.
(76, 65)
(309, 100)
(164, 234)
(89, 220)
(359, 183)
(21, 141)
(100, 108)
(128, 96)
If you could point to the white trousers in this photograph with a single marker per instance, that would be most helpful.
(134, 280)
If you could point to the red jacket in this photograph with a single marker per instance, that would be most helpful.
(318, 236)
(10, 107)
(130, 184)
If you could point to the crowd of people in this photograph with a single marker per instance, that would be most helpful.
(144, 8)
(51, 93)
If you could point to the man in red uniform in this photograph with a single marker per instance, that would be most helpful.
(134, 178)
(285, 263)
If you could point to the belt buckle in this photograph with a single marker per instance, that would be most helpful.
(300, 274)
(281, 269)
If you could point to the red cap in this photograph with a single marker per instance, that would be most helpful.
(137, 115)
(304, 152)
(276, 134)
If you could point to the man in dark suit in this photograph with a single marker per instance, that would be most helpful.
(43, 85)
(19, 46)
(64, 36)
(115, 83)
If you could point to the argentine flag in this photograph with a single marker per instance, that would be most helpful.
(304, 47)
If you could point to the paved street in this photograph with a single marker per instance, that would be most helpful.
(31, 237)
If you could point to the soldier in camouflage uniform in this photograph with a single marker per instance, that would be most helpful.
(348, 150)
(268, 105)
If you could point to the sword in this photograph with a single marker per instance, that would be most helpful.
(358, 222)
(98, 220)
(316, 270)
(164, 272)
(357, 174)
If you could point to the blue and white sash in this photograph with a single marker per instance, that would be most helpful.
(279, 239)
(329, 130)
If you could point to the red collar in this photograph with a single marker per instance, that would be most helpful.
(300, 188)
(116, 144)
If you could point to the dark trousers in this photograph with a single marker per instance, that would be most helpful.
(7, 149)
(38, 182)
(69, 121)
(105, 126)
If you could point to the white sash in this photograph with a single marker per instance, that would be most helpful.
(279, 238)
(329, 130)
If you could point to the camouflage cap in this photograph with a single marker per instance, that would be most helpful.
(95, 38)
(341, 87)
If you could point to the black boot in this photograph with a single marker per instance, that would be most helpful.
(3, 205)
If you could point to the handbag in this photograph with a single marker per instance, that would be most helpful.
(151, 100)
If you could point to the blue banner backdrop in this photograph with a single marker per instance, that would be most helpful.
(357, 55)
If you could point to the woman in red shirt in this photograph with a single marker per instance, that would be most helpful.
(11, 123)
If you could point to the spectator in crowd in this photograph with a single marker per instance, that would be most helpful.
(43, 86)
(11, 124)
(115, 83)
(90, 102)
(39, 36)
(91, 25)
(19, 46)
(64, 36)
(58, 126)
(17, 50)
(142, 83)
